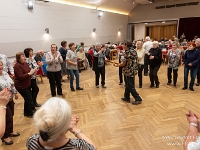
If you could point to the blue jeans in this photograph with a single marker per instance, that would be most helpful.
(72, 73)
(193, 73)
(130, 88)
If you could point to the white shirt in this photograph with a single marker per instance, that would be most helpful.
(147, 46)
(6, 64)
(194, 145)
(140, 53)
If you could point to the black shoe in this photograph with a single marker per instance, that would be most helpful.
(53, 95)
(72, 89)
(168, 83)
(140, 86)
(29, 116)
(146, 74)
(37, 105)
(184, 88)
(79, 88)
(103, 86)
(157, 85)
(191, 89)
(174, 85)
(79, 71)
(8, 143)
(197, 84)
(126, 100)
(151, 86)
(14, 135)
(120, 83)
(136, 102)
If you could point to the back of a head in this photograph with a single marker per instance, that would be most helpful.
(147, 38)
(128, 44)
(53, 118)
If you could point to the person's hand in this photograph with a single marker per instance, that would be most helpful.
(198, 121)
(148, 54)
(189, 64)
(73, 124)
(32, 71)
(191, 117)
(151, 57)
(16, 96)
(4, 97)
(116, 65)
(75, 64)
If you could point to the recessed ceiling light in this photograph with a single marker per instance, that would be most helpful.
(145, 23)
(163, 22)
(150, 2)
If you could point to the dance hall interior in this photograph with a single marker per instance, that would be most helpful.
(99, 74)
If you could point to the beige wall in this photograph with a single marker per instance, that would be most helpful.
(21, 28)
(144, 13)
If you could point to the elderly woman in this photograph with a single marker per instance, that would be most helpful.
(23, 75)
(53, 126)
(173, 63)
(53, 59)
(32, 64)
(72, 64)
(7, 82)
(4, 99)
(63, 52)
(82, 60)
(155, 59)
(191, 62)
(141, 54)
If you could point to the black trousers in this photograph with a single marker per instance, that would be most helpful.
(198, 74)
(29, 107)
(175, 75)
(34, 90)
(140, 69)
(146, 64)
(130, 88)
(101, 71)
(154, 74)
(54, 80)
(120, 75)
(9, 119)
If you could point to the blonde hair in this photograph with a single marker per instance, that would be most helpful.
(53, 118)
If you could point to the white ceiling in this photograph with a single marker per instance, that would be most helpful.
(118, 6)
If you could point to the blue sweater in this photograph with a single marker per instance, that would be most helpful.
(193, 57)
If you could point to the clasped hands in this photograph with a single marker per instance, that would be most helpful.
(193, 118)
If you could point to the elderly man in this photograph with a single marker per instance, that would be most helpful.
(147, 46)
(141, 53)
(155, 59)
(7, 66)
(99, 65)
(197, 42)
(107, 52)
(129, 64)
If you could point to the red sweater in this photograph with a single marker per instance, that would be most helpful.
(22, 78)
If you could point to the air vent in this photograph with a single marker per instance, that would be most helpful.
(170, 6)
(181, 5)
(160, 7)
(193, 3)
(178, 5)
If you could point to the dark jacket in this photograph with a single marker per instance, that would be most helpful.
(63, 53)
(157, 53)
(193, 57)
(95, 63)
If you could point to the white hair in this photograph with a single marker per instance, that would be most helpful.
(148, 38)
(98, 43)
(198, 39)
(53, 117)
(155, 42)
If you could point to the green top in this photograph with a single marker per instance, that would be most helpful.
(79, 47)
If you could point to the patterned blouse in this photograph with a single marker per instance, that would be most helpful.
(131, 67)
(32, 64)
(73, 144)
(173, 59)
(7, 82)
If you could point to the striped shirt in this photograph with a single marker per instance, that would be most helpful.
(73, 144)
(32, 64)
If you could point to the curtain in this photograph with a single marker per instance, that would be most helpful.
(157, 32)
(190, 27)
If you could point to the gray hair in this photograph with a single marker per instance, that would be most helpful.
(53, 117)
(98, 43)
(155, 42)
(198, 39)
(148, 38)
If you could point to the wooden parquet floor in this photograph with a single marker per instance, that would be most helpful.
(158, 123)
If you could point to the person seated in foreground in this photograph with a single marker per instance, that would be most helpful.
(53, 120)
(192, 140)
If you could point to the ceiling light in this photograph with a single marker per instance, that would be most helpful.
(133, 2)
(100, 13)
(145, 23)
(163, 22)
(30, 4)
